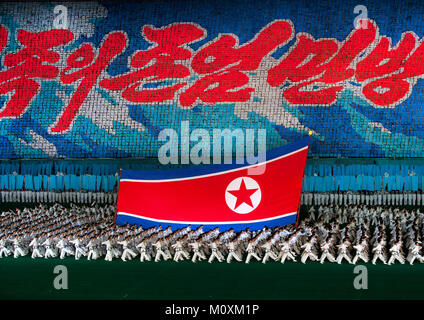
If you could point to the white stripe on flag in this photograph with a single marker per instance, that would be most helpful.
(216, 173)
(206, 223)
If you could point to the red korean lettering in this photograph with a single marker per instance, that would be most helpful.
(90, 68)
(3, 37)
(313, 89)
(298, 65)
(158, 63)
(382, 63)
(32, 61)
(223, 64)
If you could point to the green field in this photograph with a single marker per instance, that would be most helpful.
(24, 278)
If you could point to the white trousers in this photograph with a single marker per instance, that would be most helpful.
(395, 257)
(180, 255)
(109, 255)
(93, 254)
(159, 254)
(18, 252)
(378, 256)
(216, 254)
(4, 251)
(198, 255)
(128, 253)
(360, 256)
(411, 258)
(232, 255)
(287, 255)
(343, 256)
(309, 255)
(250, 255)
(144, 256)
(269, 254)
(79, 252)
(36, 253)
(327, 255)
(49, 254)
(64, 252)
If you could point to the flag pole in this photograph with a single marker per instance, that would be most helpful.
(303, 176)
(117, 191)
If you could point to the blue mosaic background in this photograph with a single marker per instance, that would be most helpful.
(345, 129)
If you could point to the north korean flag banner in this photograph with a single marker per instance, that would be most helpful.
(224, 195)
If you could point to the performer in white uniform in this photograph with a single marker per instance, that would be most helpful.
(159, 252)
(215, 251)
(3, 248)
(180, 253)
(343, 252)
(93, 253)
(232, 251)
(395, 250)
(379, 252)
(127, 253)
(286, 252)
(326, 254)
(251, 247)
(414, 253)
(49, 245)
(63, 248)
(268, 251)
(109, 249)
(308, 251)
(79, 248)
(361, 251)
(197, 252)
(142, 247)
(36, 253)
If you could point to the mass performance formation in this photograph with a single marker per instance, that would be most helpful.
(329, 233)
(333, 66)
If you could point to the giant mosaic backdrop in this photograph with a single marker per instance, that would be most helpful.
(103, 79)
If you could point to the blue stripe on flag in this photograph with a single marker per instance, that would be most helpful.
(211, 168)
(123, 219)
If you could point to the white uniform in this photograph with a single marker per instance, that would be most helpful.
(180, 253)
(18, 248)
(79, 249)
(63, 248)
(109, 250)
(215, 253)
(143, 252)
(343, 254)
(286, 253)
(197, 253)
(251, 252)
(268, 252)
(3, 249)
(36, 253)
(326, 253)
(414, 253)
(308, 253)
(378, 253)
(395, 250)
(93, 253)
(232, 252)
(48, 245)
(361, 253)
(127, 252)
(159, 252)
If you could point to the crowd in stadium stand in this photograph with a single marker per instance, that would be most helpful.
(329, 233)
